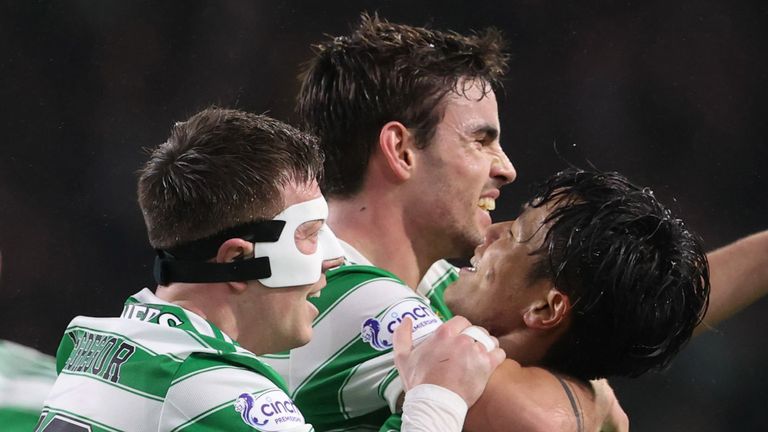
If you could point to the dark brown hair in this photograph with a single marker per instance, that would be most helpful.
(219, 169)
(387, 72)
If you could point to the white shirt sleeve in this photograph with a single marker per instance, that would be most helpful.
(429, 408)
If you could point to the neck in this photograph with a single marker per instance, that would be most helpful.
(376, 225)
(526, 346)
(205, 300)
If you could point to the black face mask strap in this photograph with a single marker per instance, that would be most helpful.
(204, 249)
(169, 270)
(187, 262)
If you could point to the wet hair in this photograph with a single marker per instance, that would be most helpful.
(386, 72)
(637, 278)
(219, 169)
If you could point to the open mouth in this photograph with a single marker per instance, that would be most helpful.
(473, 264)
(487, 203)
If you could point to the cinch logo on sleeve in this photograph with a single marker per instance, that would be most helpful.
(270, 411)
(378, 333)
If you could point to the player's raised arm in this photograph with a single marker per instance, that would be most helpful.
(739, 276)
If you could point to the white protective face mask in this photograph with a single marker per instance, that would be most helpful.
(290, 266)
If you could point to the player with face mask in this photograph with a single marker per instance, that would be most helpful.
(234, 211)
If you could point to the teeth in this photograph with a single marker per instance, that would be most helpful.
(315, 295)
(473, 262)
(487, 204)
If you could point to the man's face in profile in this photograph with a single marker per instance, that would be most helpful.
(496, 291)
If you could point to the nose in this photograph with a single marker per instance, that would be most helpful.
(491, 235)
(332, 263)
(494, 232)
(502, 169)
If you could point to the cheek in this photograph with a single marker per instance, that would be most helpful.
(473, 167)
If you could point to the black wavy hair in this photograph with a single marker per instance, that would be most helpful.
(637, 278)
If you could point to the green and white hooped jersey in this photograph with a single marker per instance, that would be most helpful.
(162, 368)
(345, 378)
(26, 377)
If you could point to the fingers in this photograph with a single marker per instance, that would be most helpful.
(455, 325)
(497, 356)
(403, 339)
(481, 336)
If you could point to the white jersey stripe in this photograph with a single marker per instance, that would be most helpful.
(366, 376)
(201, 325)
(437, 273)
(77, 393)
(110, 383)
(80, 417)
(24, 392)
(214, 388)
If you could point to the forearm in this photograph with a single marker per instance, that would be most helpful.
(738, 276)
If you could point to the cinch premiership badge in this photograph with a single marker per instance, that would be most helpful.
(378, 333)
(269, 411)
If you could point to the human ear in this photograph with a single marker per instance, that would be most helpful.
(231, 250)
(395, 143)
(549, 311)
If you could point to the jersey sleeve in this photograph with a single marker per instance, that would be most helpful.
(213, 395)
(346, 374)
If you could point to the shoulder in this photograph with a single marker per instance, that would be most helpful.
(549, 402)
(360, 290)
(355, 274)
(214, 392)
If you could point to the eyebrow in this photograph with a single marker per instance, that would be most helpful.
(486, 130)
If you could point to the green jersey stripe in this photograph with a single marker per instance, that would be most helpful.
(386, 382)
(199, 371)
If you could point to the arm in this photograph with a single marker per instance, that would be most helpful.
(738, 275)
(443, 375)
(533, 399)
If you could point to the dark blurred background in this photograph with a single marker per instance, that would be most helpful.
(671, 93)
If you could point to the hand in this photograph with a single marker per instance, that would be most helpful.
(614, 417)
(447, 358)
